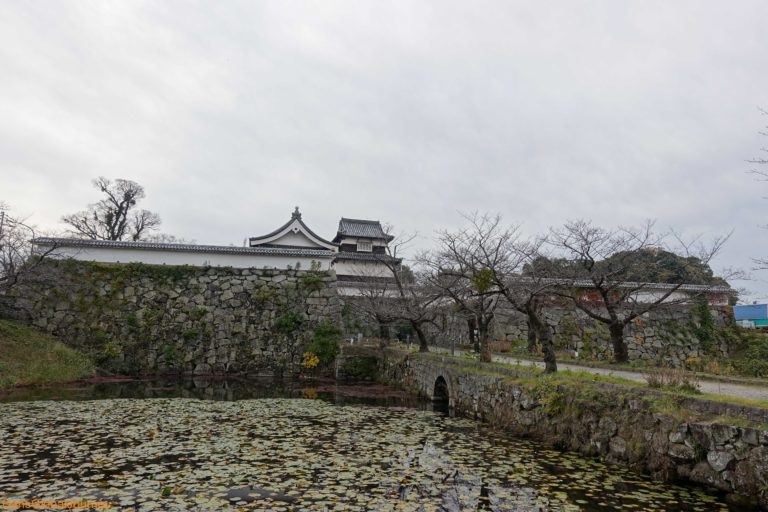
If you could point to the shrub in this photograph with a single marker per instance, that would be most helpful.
(263, 294)
(312, 281)
(325, 342)
(111, 351)
(704, 327)
(752, 359)
(190, 334)
(170, 356)
(310, 360)
(360, 368)
(289, 322)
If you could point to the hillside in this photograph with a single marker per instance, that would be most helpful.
(30, 357)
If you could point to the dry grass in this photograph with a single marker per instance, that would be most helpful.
(673, 379)
(500, 346)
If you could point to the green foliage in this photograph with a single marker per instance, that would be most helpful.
(119, 273)
(659, 266)
(568, 330)
(360, 368)
(312, 280)
(670, 405)
(752, 357)
(99, 334)
(289, 322)
(111, 351)
(170, 355)
(197, 313)
(704, 326)
(648, 265)
(325, 342)
(171, 273)
(549, 395)
(132, 320)
(191, 334)
(264, 294)
(28, 356)
(482, 280)
(406, 274)
(150, 316)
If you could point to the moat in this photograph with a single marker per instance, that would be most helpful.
(245, 445)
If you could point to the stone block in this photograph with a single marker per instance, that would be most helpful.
(719, 460)
(750, 436)
(618, 446)
(681, 452)
(723, 434)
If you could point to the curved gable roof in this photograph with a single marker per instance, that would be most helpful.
(361, 228)
(289, 231)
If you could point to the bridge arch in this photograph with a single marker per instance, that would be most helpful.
(440, 392)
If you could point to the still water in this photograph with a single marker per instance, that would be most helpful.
(263, 445)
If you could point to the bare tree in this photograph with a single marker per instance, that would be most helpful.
(403, 296)
(115, 217)
(761, 160)
(459, 269)
(597, 263)
(505, 253)
(762, 175)
(165, 238)
(17, 255)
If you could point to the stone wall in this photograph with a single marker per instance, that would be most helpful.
(619, 424)
(668, 336)
(139, 318)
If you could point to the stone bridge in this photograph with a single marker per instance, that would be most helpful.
(619, 424)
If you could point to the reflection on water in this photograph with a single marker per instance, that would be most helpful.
(266, 445)
(228, 389)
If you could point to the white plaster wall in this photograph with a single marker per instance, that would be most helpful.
(295, 239)
(160, 257)
(362, 268)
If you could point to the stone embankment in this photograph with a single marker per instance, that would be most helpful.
(723, 446)
(667, 336)
(135, 318)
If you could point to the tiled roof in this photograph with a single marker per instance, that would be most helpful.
(295, 216)
(152, 246)
(361, 228)
(356, 280)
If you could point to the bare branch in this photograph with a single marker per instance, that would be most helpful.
(114, 217)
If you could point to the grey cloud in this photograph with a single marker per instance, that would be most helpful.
(233, 112)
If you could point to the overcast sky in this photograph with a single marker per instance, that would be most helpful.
(232, 113)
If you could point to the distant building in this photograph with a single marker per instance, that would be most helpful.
(356, 253)
(751, 315)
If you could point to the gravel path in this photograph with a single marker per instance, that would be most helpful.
(706, 386)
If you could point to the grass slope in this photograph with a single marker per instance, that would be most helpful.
(28, 356)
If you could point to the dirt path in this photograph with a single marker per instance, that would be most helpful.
(706, 386)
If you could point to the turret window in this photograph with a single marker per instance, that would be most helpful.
(364, 246)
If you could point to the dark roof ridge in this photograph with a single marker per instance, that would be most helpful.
(366, 221)
(159, 246)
